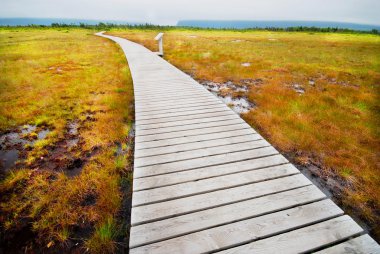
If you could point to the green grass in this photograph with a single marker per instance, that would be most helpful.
(50, 77)
(334, 125)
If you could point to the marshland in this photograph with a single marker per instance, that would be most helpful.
(67, 115)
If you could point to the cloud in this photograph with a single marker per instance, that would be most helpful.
(170, 11)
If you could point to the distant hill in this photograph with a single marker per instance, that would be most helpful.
(236, 24)
(49, 21)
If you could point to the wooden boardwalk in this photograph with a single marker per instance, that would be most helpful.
(205, 181)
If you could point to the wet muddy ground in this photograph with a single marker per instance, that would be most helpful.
(333, 186)
(234, 95)
(66, 156)
(63, 155)
(15, 144)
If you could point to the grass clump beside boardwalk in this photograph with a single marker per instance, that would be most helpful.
(316, 97)
(70, 190)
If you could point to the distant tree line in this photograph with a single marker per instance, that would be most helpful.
(107, 26)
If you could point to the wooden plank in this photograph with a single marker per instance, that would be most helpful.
(214, 160)
(188, 102)
(303, 240)
(216, 108)
(211, 184)
(158, 73)
(197, 174)
(181, 225)
(162, 85)
(360, 245)
(157, 80)
(167, 94)
(172, 208)
(179, 119)
(191, 139)
(177, 99)
(191, 132)
(177, 108)
(186, 122)
(179, 156)
(180, 95)
(244, 231)
(194, 146)
(166, 91)
(225, 122)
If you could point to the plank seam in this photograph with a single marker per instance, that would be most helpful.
(192, 142)
(199, 148)
(237, 220)
(204, 156)
(258, 157)
(242, 171)
(196, 135)
(216, 189)
(214, 206)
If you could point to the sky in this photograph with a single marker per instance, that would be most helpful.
(168, 12)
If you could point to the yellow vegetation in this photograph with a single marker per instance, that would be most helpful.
(333, 125)
(51, 77)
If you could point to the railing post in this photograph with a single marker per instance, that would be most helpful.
(159, 38)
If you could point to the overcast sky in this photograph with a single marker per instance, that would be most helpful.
(170, 11)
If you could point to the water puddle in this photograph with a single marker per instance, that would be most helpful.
(12, 144)
(8, 158)
(73, 128)
(239, 105)
(298, 88)
(231, 94)
(73, 138)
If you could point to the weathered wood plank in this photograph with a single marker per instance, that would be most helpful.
(172, 208)
(179, 156)
(191, 139)
(244, 231)
(186, 122)
(171, 167)
(194, 146)
(191, 132)
(179, 119)
(305, 239)
(173, 227)
(360, 245)
(166, 96)
(154, 111)
(211, 184)
(216, 108)
(174, 108)
(225, 122)
(198, 97)
(163, 104)
(201, 173)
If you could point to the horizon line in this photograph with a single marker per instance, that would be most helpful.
(224, 20)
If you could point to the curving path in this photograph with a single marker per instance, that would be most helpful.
(205, 181)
